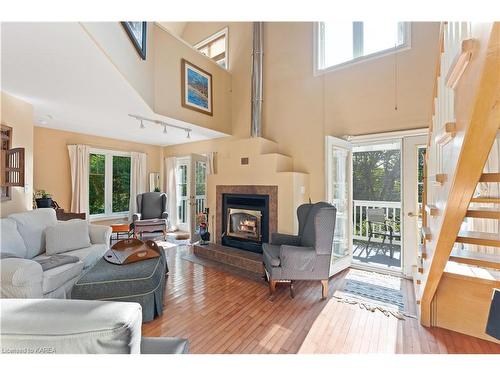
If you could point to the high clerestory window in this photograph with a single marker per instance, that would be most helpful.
(341, 43)
(216, 47)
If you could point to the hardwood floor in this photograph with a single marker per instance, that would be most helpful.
(220, 312)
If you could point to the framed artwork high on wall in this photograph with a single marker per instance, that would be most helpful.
(137, 32)
(196, 88)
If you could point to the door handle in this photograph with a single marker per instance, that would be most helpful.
(413, 214)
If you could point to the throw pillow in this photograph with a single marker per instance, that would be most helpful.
(67, 236)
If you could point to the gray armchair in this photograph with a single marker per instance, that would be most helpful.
(306, 256)
(151, 215)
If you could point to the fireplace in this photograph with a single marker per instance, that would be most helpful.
(245, 221)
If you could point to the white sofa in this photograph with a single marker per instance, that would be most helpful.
(23, 235)
(54, 326)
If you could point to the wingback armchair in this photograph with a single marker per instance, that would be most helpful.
(306, 256)
(151, 215)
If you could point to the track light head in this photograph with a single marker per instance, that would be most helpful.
(188, 134)
(142, 125)
(164, 129)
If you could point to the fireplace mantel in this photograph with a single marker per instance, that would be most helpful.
(271, 191)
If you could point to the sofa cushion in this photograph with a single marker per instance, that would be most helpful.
(11, 241)
(271, 254)
(67, 236)
(57, 277)
(70, 326)
(89, 255)
(31, 226)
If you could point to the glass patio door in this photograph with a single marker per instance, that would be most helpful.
(191, 180)
(339, 193)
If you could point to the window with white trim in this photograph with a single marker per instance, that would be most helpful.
(215, 47)
(341, 43)
(109, 183)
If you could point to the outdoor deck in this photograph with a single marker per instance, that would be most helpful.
(376, 254)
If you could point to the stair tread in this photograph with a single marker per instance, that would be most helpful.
(478, 238)
(466, 271)
(483, 212)
(426, 233)
(475, 258)
(490, 177)
(486, 200)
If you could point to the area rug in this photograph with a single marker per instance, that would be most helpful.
(374, 291)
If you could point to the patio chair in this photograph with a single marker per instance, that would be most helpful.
(379, 225)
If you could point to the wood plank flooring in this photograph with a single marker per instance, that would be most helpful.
(220, 312)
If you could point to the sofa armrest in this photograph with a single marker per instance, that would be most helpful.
(285, 239)
(297, 258)
(99, 234)
(164, 345)
(136, 217)
(21, 278)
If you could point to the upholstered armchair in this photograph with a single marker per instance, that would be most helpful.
(151, 213)
(306, 256)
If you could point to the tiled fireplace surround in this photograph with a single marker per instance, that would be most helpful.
(271, 191)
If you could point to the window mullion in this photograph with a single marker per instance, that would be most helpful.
(357, 35)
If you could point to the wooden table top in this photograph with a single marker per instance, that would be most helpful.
(120, 227)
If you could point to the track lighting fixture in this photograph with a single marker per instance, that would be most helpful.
(162, 123)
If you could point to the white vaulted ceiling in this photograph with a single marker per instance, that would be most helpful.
(73, 86)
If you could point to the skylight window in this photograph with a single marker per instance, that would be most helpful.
(340, 43)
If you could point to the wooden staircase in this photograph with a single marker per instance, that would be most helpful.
(453, 280)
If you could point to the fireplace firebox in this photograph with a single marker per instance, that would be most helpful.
(245, 221)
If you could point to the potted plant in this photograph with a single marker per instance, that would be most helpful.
(43, 199)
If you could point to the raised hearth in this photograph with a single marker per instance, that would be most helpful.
(241, 259)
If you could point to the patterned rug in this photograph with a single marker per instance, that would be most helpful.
(374, 291)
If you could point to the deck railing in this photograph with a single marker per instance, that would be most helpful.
(360, 226)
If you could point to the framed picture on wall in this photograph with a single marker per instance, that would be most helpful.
(196, 88)
(137, 32)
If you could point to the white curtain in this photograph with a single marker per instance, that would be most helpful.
(171, 190)
(211, 160)
(138, 176)
(488, 190)
(79, 162)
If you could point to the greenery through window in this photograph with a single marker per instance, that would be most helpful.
(421, 156)
(109, 183)
(121, 183)
(377, 175)
(97, 184)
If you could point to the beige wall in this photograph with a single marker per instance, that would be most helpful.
(158, 78)
(51, 160)
(169, 51)
(113, 40)
(301, 109)
(19, 115)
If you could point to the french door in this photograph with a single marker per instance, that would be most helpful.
(402, 208)
(191, 177)
(339, 193)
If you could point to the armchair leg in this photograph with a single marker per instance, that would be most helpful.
(272, 286)
(292, 289)
(324, 289)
